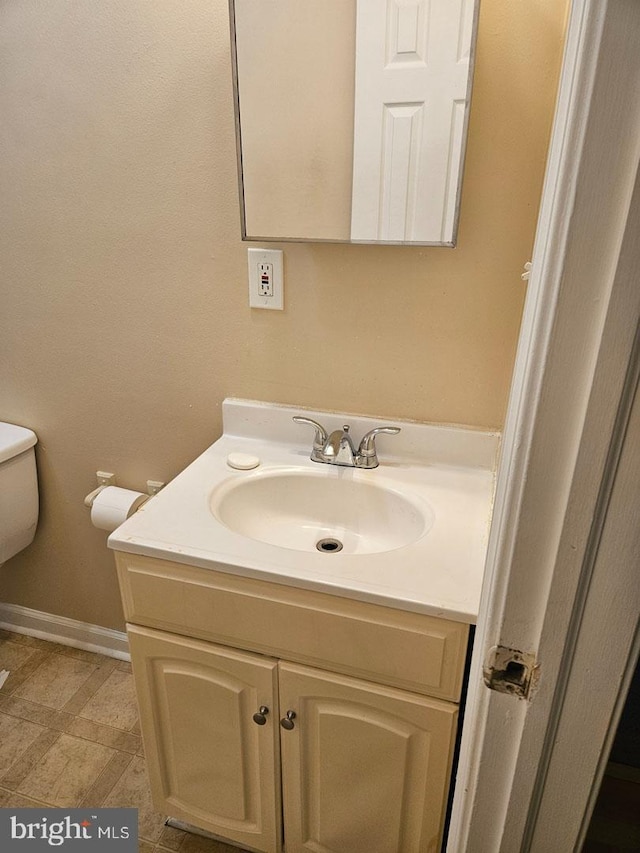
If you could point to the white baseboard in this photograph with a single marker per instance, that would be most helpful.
(68, 632)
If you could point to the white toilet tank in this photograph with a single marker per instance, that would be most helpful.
(18, 489)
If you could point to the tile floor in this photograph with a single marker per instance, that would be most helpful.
(69, 736)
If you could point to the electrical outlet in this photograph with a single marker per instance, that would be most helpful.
(266, 284)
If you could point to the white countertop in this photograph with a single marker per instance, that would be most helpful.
(447, 470)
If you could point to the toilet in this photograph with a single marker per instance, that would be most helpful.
(18, 489)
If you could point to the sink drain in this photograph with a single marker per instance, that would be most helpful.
(329, 545)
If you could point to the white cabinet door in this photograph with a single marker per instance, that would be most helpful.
(209, 763)
(365, 767)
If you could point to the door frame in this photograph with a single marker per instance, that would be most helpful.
(569, 412)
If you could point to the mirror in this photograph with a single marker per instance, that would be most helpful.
(352, 117)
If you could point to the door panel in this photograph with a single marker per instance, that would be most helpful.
(412, 74)
(365, 767)
(209, 763)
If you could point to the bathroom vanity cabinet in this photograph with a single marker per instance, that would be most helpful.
(285, 718)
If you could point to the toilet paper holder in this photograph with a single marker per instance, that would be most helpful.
(105, 478)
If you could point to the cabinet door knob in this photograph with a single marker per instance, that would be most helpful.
(287, 721)
(260, 717)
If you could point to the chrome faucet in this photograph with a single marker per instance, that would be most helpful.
(339, 449)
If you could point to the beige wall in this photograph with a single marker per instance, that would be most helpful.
(124, 318)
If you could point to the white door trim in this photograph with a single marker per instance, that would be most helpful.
(601, 647)
(575, 347)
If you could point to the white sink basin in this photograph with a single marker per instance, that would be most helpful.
(313, 510)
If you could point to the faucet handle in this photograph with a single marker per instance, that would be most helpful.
(320, 438)
(367, 449)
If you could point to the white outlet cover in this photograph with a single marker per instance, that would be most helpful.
(266, 256)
